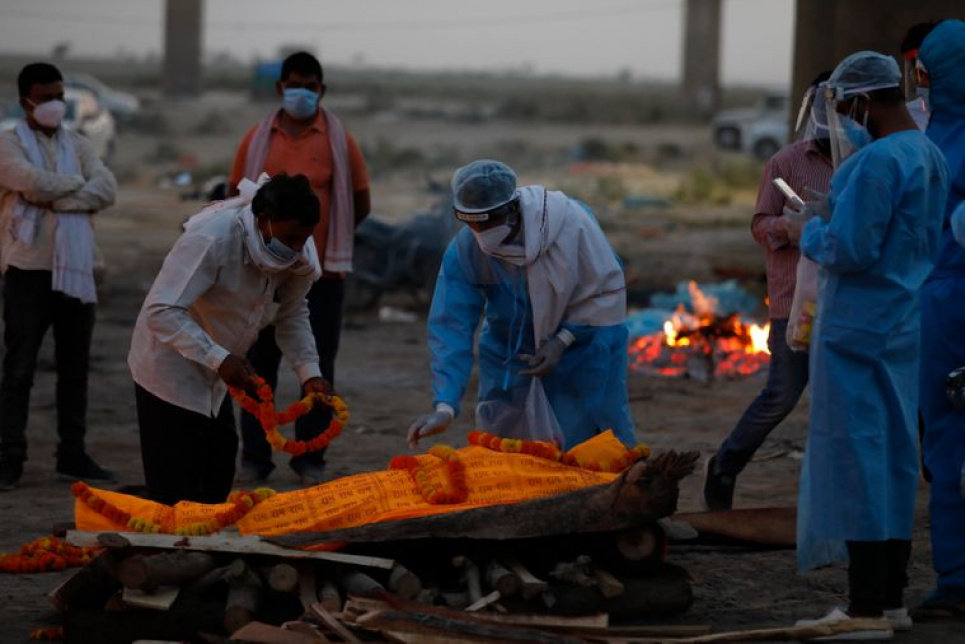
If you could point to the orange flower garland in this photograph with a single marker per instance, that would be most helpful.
(242, 503)
(264, 410)
(551, 452)
(433, 492)
(539, 449)
(46, 553)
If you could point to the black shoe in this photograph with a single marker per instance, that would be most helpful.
(10, 473)
(83, 468)
(718, 488)
(310, 474)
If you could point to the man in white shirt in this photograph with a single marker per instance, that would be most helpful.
(51, 183)
(239, 266)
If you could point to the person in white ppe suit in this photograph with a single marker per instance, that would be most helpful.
(536, 268)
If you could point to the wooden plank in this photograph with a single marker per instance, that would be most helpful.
(483, 602)
(160, 599)
(329, 620)
(237, 544)
(425, 624)
(425, 638)
(587, 622)
(776, 527)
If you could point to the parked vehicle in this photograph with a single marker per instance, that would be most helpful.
(766, 137)
(84, 114)
(121, 105)
(760, 130)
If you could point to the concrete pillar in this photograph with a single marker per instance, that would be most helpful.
(701, 78)
(183, 29)
(826, 31)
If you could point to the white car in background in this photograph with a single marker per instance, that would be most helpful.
(85, 114)
(121, 105)
(760, 130)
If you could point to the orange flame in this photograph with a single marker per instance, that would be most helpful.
(733, 347)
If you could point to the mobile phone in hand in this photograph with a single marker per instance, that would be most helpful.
(788, 192)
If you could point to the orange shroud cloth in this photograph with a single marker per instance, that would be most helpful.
(493, 478)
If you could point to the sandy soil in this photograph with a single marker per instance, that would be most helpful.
(383, 374)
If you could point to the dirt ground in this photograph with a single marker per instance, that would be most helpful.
(383, 375)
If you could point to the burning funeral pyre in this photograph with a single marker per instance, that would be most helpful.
(702, 345)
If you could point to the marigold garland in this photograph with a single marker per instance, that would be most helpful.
(550, 451)
(430, 491)
(46, 553)
(241, 501)
(264, 410)
(539, 449)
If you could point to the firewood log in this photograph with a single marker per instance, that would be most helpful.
(359, 584)
(576, 571)
(147, 572)
(531, 586)
(609, 585)
(403, 582)
(282, 578)
(645, 492)
(501, 579)
(241, 606)
(471, 577)
(329, 597)
(90, 586)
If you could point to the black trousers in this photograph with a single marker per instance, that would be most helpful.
(187, 456)
(877, 575)
(325, 312)
(31, 307)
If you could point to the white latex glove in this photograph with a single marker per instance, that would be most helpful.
(429, 425)
(546, 359)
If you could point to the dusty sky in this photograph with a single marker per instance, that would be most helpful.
(583, 37)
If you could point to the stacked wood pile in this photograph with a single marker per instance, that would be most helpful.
(548, 570)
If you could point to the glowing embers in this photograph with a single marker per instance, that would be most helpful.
(701, 345)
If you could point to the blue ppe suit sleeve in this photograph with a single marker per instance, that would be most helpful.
(457, 306)
(860, 213)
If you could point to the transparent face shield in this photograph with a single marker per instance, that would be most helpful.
(909, 74)
(846, 133)
(815, 127)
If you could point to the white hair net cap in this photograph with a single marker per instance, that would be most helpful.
(483, 185)
(864, 71)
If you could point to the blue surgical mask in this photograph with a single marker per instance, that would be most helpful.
(299, 103)
(857, 133)
(280, 250)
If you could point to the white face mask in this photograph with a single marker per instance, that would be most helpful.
(49, 114)
(491, 243)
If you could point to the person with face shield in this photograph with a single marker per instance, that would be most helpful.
(860, 471)
(915, 75)
(51, 183)
(303, 137)
(240, 265)
(943, 318)
(536, 268)
(806, 166)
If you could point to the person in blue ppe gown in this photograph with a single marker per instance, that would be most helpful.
(534, 266)
(942, 54)
(875, 247)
